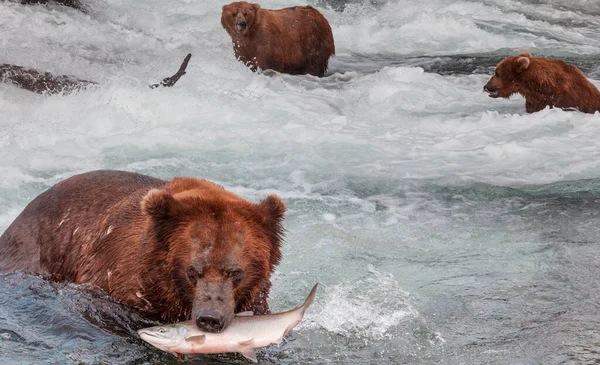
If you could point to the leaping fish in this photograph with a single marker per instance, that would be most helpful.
(245, 333)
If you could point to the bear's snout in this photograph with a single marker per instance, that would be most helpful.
(214, 306)
(241, 25)
(491, 89)
(210, 320)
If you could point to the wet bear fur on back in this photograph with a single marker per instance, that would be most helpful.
(294, 40)
(136, 237)
(543, 83)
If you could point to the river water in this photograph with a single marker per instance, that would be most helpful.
(444, 227)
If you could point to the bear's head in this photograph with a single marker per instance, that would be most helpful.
(506, 78)
(239, 17)
(209, 249)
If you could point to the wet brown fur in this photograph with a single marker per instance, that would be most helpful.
(295, 40)
(543, 83)
(136, 237)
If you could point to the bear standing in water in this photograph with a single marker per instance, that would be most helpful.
(295, 40)
(543, 83)
(176, 250)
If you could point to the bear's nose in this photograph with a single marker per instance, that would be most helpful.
(210, 321)
(242, 25)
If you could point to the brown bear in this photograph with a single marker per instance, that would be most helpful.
(174, 250)
(295, 40)
(543, 83)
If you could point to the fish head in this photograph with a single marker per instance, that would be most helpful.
(164, 336)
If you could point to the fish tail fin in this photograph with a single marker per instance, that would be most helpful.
(310, 299)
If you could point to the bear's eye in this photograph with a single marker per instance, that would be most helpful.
(193, 274)
(233, 273)
(496, 73)
(234, 15)
(236, 276)
(245, 13)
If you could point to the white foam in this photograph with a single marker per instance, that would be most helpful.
(451, 27)
(366, 308)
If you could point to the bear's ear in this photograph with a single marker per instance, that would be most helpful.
(273, 209)
(522, 63)
(158, 204)
(525, 54)
(256, 7)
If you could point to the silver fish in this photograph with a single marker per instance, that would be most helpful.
(245, 333)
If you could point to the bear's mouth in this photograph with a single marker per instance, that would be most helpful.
(491, 93)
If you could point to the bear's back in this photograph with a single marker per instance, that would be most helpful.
(71, 207)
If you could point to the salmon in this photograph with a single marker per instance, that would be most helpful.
(245, 333)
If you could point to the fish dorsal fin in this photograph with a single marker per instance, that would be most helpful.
(249, 354)
(244, 314)
(199, 339)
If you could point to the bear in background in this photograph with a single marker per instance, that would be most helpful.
(543, 83)
(179, 249)
(295, 40)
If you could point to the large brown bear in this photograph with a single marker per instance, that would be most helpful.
(177, 249)
(296, 40)
(543, 83)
